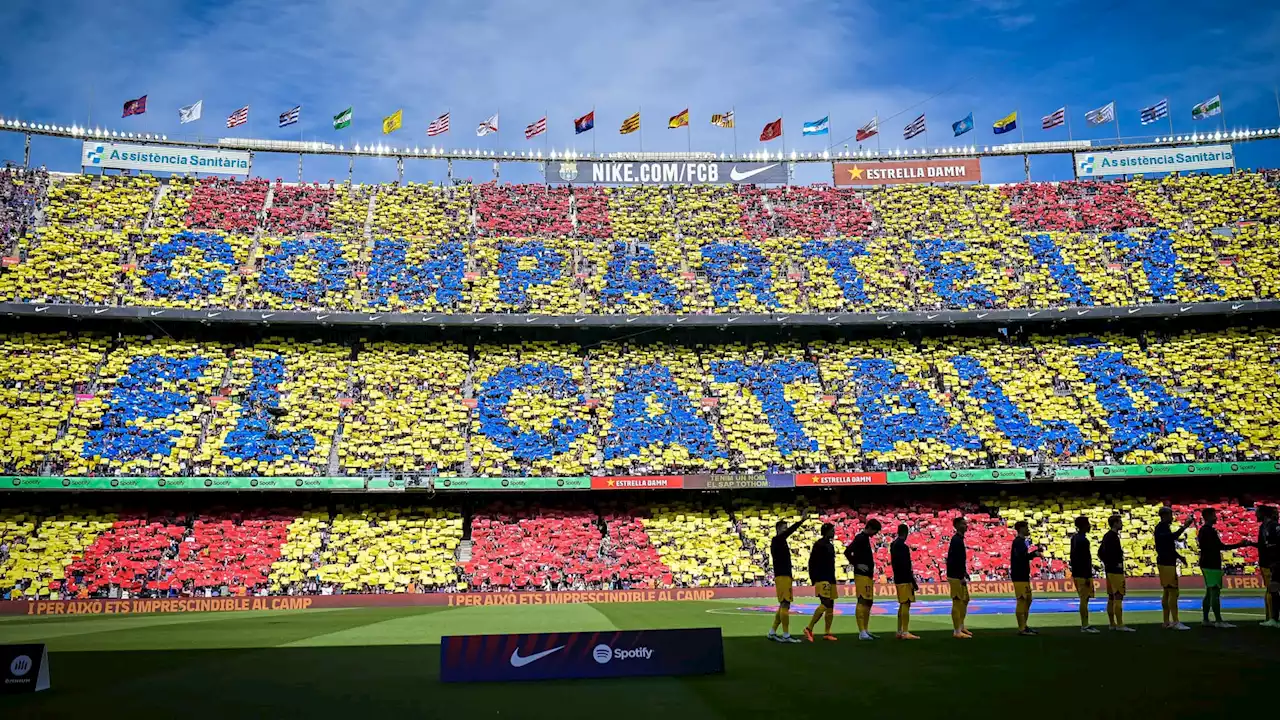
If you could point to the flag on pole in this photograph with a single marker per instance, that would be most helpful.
(1005, 124)
(680, 119)
(584, 123)
(490, 125)
(1208, 108)
(342, 119)
(962, 125)
(1103, 115)
(866, 131)
(817, 127)
(630, 125)
(771, 131)
(135, 107)
(190, 113)
(913, 129)
(535, 129)
(1159, 111)
(723, 120)
(439, 126)
(289, 117)
(1054, 119)
(392, 122)
(238, 117)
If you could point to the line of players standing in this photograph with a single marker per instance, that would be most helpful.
(859, 553)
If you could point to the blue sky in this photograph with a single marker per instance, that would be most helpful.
(67, 62)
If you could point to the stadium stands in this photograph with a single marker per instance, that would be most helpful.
(562, 250)
(551, 545)
(85, 404)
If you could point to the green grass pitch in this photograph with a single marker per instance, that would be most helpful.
(372, 662)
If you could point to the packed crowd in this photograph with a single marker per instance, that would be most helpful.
(80, 552)
(702, 249)
(90, 405)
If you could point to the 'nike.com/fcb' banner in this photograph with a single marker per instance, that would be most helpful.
(565, 656)
(667, 173)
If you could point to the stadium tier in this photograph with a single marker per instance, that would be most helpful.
(166, 407)
(72, 551)
(225, 244)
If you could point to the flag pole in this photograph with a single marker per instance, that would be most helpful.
(1222, 112)
(783, 118)
(688, 132)
(1066, 113)
(734, 111)
(1115, 116)
(593, 129)
(1169, 116)
(640, 129)
(1022, 127)
(877, 119)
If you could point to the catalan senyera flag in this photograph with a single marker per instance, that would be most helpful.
(630, 125)
(392, 122)
(680, 119)
(723, 120)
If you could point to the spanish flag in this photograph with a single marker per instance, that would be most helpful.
(1005, 124)
(680, 119)
(392, 122)
(630, 125)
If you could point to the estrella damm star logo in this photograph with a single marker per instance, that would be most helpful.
(855, 172)
(611, 482)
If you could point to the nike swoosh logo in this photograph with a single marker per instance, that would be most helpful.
(428, 318)
(680, 320)
(631, 320)
(374, 317)
(1133, 310)
(529, 320)
(732, 319)
(1033, 314)
(982, 315)
(833, 318)
(42, 309)
(156, 312)
(784, 317)
(578, 320)
(736, 176)
(1081, 312)
(267, 315)
(517, 661)
(1237, 307)
(212, 314)
(321, 317)
(931, 316)
(99, 311)
(1184, 309)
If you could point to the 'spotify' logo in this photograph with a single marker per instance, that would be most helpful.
(602, 654)
(95, 155)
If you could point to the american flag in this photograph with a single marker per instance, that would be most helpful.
(238, 117)
(289, 117)
(915, 128)
(535, 129)
(1159, 111)
(439, 126)
(1054, 119)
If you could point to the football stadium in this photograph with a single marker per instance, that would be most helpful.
(534, 431)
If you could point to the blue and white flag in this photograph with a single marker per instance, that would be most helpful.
(962, 126)
(817, 127)
(190, 113)
(289, 117)
(1155, 112)
(1103, 115)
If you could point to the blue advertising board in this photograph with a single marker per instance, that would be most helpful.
(566, 656)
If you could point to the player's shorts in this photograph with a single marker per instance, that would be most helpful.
(1084, 587)
(1212, 578)
(1168, 576)
(906, 593)
(782, 585)
(865, 587)
(1022, 591)
(825, 590)
(959, 590)
(1115, 584)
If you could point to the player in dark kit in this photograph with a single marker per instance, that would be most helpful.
(1269, 560)
(1111, 554)
(1167, 559)
(958, 579)
(1082, 571)
(904, 577)
(1020, 557)
(1211, 547)
(781, 555)
(860, 555)
(822, 571)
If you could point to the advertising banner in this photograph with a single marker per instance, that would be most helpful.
(638, 482)
(737, 482)
(905, 172)
(160, 158)
(1129, 162)
(577, 655)
(666, 173)
(528, 483)
(23, 669)
(841, 479)
(1071, 473)
(941, 476)
(182, 483)
(1220, 468)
